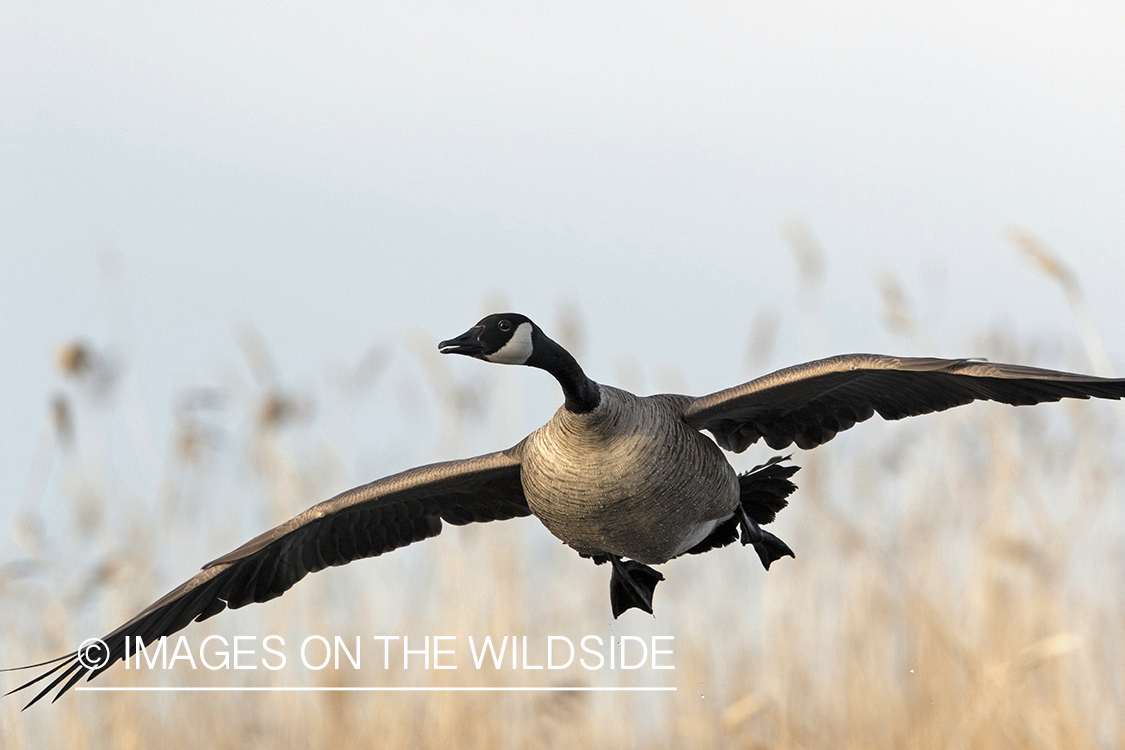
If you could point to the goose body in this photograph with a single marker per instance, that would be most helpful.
(622, 479)
(615, 479)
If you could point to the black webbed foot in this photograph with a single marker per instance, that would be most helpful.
(768, 546)
(631, 585)
(771, 548)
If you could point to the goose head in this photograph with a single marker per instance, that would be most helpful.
(505, 338)
(513, 339)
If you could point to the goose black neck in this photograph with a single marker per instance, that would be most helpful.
(582, 394)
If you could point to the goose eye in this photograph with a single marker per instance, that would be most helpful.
(504, 325)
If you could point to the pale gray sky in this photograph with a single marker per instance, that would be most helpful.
(339, 174)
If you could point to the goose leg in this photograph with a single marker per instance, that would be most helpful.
(631, 585)
(768, 546)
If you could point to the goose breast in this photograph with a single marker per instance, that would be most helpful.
(628, 478)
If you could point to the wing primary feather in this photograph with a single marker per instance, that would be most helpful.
(70, 669)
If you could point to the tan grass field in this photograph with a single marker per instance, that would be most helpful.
(959, 583)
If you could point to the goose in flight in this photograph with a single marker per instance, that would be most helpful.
(622, 479)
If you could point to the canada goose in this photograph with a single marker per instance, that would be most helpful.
(620, 478)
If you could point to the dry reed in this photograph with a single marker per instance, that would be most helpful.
(958, 584)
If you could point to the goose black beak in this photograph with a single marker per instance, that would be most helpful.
(467, 343)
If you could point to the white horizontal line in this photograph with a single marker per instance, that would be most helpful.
(375, 689)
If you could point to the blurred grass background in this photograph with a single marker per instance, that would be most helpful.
(958, 580)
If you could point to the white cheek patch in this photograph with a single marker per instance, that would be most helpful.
(517, 350)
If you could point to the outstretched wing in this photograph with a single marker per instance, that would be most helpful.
(808, 404)
(363, 522)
